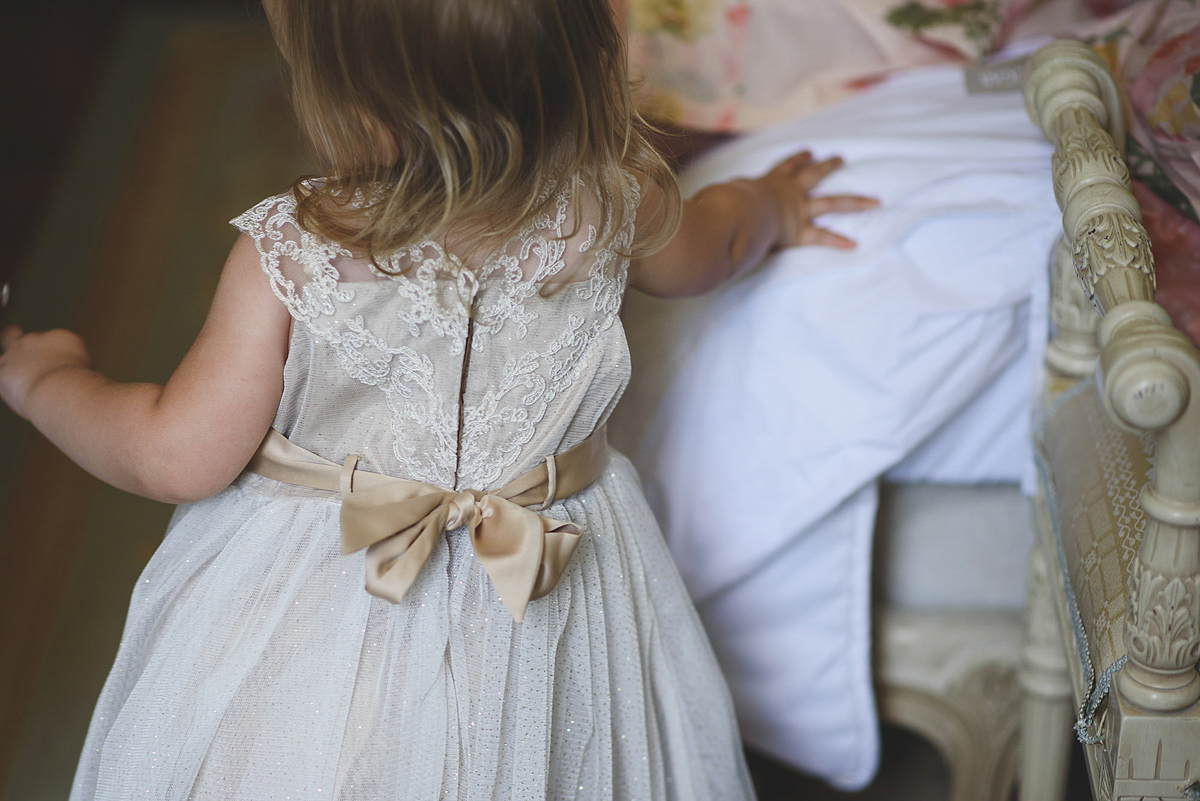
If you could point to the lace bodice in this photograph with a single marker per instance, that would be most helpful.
(460, 372)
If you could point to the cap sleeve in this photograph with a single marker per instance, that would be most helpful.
(300, 265)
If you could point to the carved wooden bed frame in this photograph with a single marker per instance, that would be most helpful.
(1139, 715)
(998, 696)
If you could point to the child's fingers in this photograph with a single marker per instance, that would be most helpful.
(792, 167)
(815, 235)
(797, 160)
(826, 204)
(818, 171)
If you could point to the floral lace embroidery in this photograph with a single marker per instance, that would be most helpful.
(442, 304)
(441, 298)
(315, 257)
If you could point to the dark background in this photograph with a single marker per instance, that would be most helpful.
(52, 54)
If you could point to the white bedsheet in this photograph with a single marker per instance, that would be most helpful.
(762, 415)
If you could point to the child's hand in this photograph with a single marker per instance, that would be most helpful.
(728, 228)
(791, 182)
(25, 359)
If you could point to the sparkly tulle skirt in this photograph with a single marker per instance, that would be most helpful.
(254, 666)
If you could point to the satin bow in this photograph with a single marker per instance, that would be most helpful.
(399, 522)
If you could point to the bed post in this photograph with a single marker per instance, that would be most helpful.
(1148, 377)
(1046, 712)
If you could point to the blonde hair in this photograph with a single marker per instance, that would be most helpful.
(465, 116)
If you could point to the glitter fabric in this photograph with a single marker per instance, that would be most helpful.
(255, 666)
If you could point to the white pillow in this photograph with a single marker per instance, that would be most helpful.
(760, 414)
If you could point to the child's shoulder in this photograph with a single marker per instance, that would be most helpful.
(289, 252)
(275, 216)
(275, 224)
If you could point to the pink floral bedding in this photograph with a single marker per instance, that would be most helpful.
(736, 65)
(1153, 47)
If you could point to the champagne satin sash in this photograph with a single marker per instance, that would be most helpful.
(398, 521)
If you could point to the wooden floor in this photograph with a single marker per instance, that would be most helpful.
(51, 55)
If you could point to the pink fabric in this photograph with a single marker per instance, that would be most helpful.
(1176, 243)
(737, 65)
(1153, 47)
(1164, 95)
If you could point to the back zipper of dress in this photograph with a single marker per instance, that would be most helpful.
(462, 391)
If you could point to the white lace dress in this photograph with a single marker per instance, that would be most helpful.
(255, 666)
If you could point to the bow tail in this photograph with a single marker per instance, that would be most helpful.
(522, 552)
(398, 536)
(560, 543)
(393, 564)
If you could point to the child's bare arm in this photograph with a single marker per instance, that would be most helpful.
(728, 228)
(175, 443)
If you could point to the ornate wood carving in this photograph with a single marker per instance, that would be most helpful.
(1150, 373)
(1085, 152)
(1161, 624)
(1149, 377)
(1110, 242)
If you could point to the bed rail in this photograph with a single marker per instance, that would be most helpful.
(1148, 378)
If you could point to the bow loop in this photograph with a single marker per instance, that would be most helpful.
(511, 544)
(522, 552)
(464, 511)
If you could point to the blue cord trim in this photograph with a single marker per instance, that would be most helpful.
(1085, 725)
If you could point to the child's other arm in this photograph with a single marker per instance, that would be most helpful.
(729, 228)
(175, 443)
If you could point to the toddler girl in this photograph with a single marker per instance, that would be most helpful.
(405, 565)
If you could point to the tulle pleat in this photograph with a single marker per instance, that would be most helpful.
(254, 666)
